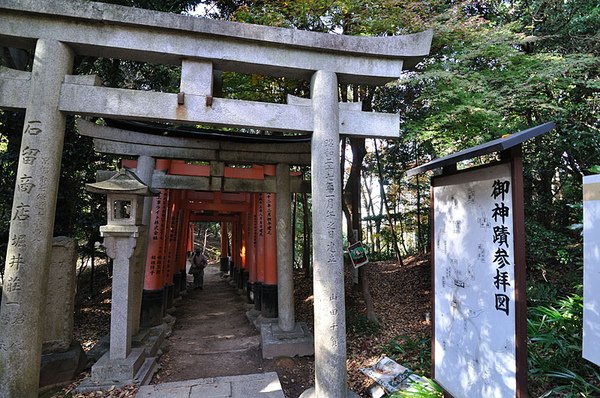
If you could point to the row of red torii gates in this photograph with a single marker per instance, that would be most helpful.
(253, 247)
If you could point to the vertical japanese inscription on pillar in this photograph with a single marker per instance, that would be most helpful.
(25, 191)
(261, 215)
(331, 245)
(474, 279)
(269, 214)
(156, 259)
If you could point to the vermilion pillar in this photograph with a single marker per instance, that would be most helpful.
(154, 293)
(243, 249)
(251, 253)
(239, 254)
(183, 250)
(171, 247)
(269, 288)
(179, 276)
(190, 238)
(249, 248)
(165, 248)
(224, 248)
(260, 251)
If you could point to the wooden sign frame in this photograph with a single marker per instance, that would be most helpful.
(513, 158)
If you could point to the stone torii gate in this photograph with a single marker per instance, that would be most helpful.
(59, 30)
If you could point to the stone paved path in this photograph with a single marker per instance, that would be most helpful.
(212, 338)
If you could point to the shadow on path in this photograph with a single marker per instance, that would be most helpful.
(212, 336)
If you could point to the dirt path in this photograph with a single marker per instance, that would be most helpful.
(212, 337)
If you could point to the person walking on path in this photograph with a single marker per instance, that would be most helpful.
(199, 261)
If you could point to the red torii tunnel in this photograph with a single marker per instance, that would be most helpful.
(253, 247)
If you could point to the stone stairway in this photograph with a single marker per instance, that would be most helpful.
(211, 345)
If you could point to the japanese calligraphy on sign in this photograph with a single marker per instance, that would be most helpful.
(474, 281)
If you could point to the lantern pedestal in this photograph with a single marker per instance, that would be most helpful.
(121, 364)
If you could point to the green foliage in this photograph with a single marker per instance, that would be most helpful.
(426, 389)
(555, 364)
(411, 352)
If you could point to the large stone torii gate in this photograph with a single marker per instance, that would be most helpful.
(58, 30)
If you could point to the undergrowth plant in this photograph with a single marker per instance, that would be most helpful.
(424, 389)
(556, 367)
(411, 352)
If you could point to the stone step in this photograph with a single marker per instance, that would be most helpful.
(262, 385)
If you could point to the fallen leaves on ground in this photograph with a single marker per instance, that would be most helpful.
(401, 296)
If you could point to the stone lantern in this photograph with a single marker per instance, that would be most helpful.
(125, 204)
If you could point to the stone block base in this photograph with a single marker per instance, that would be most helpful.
(138, 368)
(264, 385)
(119, 369)
(135, 369)
(151, 339)
(62, 367)
(310, 393)
(277, 343)
(254, 317)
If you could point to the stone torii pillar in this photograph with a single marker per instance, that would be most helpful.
(144, 169)
(285, 337)
(285, 267)
(32, 223)
(328, 266)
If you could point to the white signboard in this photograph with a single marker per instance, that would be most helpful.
(474, 282)
(591, 271)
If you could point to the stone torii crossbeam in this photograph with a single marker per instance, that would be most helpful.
(59, 30)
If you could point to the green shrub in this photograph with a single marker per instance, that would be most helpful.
(556, 367)
(413, 353)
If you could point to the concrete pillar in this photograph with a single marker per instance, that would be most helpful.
(121, 249)
(144, 170)
(328, 272)
(32, 224)
(285, 267)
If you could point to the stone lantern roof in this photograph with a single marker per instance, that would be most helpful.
(124, 182)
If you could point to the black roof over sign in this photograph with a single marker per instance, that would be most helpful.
(496, 145)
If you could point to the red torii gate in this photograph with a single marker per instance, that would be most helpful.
(253, 263)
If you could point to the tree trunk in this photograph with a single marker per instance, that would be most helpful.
(387, 207)
(351, 207)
